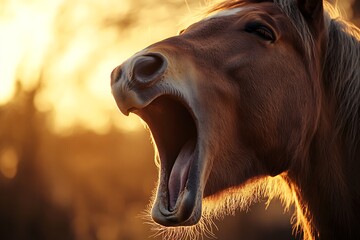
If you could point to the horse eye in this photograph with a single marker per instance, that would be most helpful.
(260, 30)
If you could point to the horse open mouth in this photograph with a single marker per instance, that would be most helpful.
(174, 130)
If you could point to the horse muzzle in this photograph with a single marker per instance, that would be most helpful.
(147, 86)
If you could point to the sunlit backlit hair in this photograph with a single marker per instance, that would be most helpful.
(226, 203)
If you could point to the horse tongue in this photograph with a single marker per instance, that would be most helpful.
(179, 173)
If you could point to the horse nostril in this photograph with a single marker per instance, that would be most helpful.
(148, 68)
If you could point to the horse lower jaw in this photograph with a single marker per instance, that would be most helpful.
(187, 211)
(185, 206)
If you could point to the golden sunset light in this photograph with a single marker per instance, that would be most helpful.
(67, 50)
(72, 166)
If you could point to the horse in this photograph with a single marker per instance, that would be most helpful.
(260, 98)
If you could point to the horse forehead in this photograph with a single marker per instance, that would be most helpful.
(259, 8)
(226, 13)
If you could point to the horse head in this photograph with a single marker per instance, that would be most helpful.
(233, 98)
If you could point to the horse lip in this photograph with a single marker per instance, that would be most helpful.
(183, 215)
(187, 211)
(129, 100)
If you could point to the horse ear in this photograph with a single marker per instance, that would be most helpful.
(313, 12)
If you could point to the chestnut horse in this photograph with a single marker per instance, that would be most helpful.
(259, 98)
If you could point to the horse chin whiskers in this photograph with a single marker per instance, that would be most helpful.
(204, 228)
(228, 202)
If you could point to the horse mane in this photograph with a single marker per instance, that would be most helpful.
(342, 78)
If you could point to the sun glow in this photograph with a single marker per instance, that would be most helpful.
(66, 50)
(24, 38)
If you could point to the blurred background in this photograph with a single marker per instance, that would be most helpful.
(71, 166)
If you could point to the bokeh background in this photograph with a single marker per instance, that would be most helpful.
(71, 166)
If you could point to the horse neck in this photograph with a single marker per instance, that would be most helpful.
(326, 193)
(327, 188)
